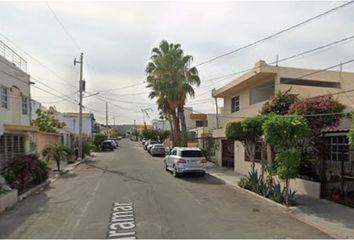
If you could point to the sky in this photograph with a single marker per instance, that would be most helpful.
(116, 38)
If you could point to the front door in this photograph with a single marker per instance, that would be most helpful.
(228, 153)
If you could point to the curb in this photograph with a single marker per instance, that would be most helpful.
(29, 192)
(310, 223)
(46, 183)
(291, 211)
(252, 193)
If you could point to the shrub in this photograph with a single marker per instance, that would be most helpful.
(319, 105)
(279, 103)
(25, 171)
(244, 183)
(99, 138)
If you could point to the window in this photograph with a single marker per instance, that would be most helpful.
(191, 153)
(338, 148)
(174, 152)
(201, 123)
(11, 146)
(310, 83)
(261, 152)
(4, 97)
(24, 105)
(235, 104)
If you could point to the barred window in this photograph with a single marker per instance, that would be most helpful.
(235, 104)
(260, 153)
(338, 148)
(24, 105)
(4, 97)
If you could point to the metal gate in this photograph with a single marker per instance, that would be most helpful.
(228, 153)
(338, 171)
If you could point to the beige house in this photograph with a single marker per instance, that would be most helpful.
(245, 96)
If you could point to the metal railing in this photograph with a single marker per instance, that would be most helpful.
(12, 56)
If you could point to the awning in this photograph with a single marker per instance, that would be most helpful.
(19, 128)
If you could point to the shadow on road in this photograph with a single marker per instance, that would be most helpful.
(207, 180)
(68, 175)
(123, 174)
(15, 217)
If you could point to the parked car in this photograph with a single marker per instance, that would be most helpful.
(148, 148)
(106, 145)
(113, 143)
(157, 150)
(185, 160)
(148, 142)
(143, 141)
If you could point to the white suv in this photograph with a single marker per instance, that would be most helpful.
(185, 160)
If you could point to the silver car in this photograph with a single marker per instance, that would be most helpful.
(185, 160)
(157, 149)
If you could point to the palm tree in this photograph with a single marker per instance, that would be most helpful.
(57, 152)
(170, 78)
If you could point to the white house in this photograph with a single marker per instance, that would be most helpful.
(15, 111)
(72, 121)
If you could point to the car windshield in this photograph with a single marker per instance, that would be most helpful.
(191, 153)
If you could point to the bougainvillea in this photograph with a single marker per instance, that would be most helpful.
(279, 103)
(319, 112)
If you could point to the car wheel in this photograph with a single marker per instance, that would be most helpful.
(174, 172)
(202, 174)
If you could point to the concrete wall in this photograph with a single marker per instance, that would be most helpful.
(42, 140)
(18, 84)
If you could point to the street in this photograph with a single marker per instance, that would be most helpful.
(79, 204)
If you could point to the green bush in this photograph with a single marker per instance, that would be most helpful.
(99, 138)
(25, 171)
(244, 183)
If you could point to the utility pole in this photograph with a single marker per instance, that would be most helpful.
(81, 89)
(107, 114)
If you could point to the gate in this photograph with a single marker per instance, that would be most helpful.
(228, 153)
(338, 167)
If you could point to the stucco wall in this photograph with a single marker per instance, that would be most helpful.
(42, 140)
(17, 83)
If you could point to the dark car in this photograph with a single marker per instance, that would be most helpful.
(106, 145)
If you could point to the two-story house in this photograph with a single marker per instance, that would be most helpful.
(245, 96)
(15, 111)
(71, 121)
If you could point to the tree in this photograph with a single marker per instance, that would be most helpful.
(47, 122)
(57, 152)
(247, 131)
(99, 138)
(170, 79)
(279, 103)
(163, 134)
(285, 133)
(149, 133)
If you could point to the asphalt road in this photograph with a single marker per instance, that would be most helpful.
(79, 204)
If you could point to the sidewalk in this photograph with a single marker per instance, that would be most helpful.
(331, 218)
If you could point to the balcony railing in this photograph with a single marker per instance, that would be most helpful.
(10, 55)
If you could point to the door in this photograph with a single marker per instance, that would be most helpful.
(169, 159)
(228, 153)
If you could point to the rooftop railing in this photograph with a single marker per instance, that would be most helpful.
(12, 56)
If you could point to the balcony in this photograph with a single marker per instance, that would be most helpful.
(10, 55)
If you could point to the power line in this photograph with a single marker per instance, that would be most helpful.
(224, 77)
(275, 34)
(63, 27)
